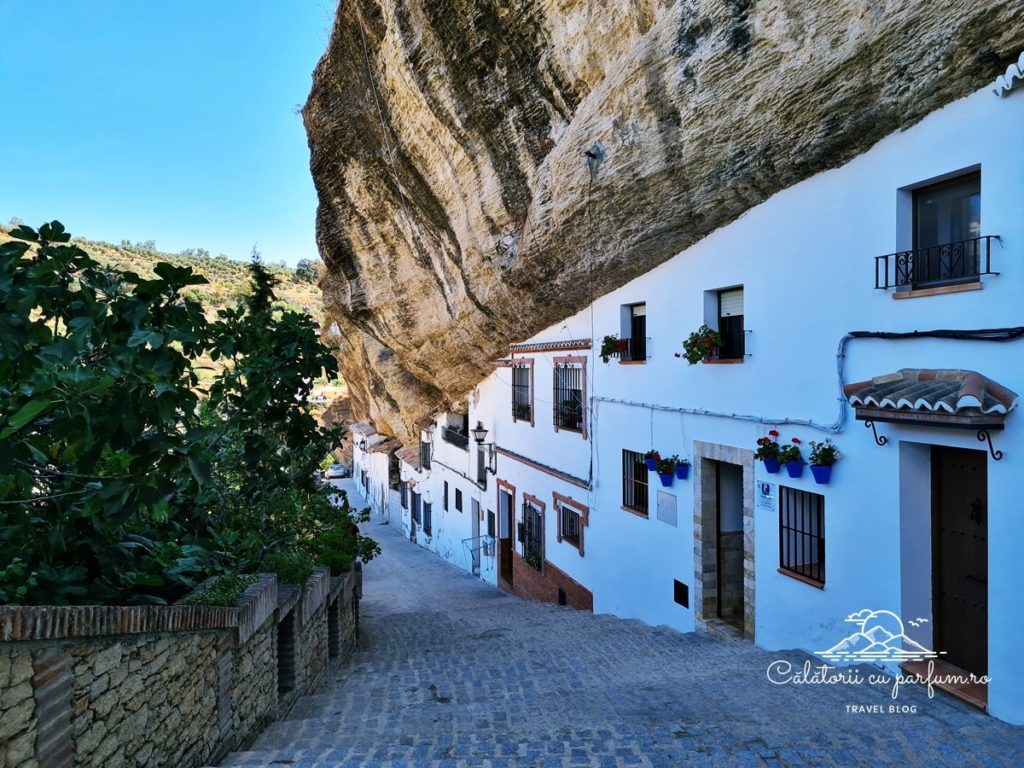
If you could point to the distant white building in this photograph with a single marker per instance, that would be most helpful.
(826, 297)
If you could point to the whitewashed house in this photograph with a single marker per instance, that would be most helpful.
(826, 297)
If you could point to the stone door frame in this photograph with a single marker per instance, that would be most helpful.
(705, 527)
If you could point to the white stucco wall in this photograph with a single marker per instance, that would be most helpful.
(805, 259)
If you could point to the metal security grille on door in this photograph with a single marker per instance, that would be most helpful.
(533, 536)
(568, 398)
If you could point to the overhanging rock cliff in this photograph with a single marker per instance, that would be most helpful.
(457, 210)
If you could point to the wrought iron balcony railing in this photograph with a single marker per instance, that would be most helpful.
(937, 265)
(455, 438)
(633, 350)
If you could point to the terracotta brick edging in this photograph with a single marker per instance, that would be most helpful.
(19, 623)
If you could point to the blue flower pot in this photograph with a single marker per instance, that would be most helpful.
(652, 464)
(795, 468)
(666, 478)
(682, 471)
(771, 466)
(822, 474)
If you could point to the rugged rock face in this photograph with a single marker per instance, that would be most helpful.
(457, 211)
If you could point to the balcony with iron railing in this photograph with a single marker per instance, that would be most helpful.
(964, 261)
(455, 437)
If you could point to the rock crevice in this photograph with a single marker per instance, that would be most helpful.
(457, 213)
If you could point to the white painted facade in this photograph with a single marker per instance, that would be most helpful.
(805, 260)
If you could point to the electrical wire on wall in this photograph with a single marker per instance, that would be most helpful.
(997, 335)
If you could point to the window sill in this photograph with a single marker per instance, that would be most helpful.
(730, 361)
(801, 577)
(937, 290)
(637, 512)
(632, 362)
(568, 429)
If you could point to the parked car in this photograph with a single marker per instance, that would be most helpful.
(336, 471)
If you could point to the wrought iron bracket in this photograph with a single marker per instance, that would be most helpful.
(984, 436)
(878, 440)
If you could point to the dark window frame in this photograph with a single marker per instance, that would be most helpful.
(569, 394)
(802, 539)
(573, 518)
(458, 499)
(730, 329)
(635, 485)
(427, 510)
(522, 391)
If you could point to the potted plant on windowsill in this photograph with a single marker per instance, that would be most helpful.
(791, 457)
(521, 411)
(823, 458)
(666, 469)
(652, 457)
(682, 468)
(768, 452)
(612, 346)
(701, 345)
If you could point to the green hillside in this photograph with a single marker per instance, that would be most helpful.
(228, 278)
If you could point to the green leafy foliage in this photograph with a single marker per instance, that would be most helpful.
(118, 484)
(292, 565)
(225, 591)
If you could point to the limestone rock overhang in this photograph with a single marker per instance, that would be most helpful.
(944, 397)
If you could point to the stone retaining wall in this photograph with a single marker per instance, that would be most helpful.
(161, 685)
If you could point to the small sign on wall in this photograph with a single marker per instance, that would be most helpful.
(667, 508)
(765, 495)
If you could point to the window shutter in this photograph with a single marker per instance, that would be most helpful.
(639, 310)
(731, 302)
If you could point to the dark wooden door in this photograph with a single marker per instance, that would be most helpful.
(960, 556)
(506, 510)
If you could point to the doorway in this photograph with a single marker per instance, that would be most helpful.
(723, 505)
(729, 550)
(475, 548)
(506, 510)
(960, 556)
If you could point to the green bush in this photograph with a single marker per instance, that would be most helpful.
(118, 484)
(292, 566)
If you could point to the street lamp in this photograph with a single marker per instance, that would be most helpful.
(480, 434)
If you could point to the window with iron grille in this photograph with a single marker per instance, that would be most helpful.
(568, 397)
(424, 455)
(415, 506)
(404, 489)
(802, 534)
(522, 396)
(533, 535)
(458, 500)
(634, 482)
(571, 519)
(426, 517)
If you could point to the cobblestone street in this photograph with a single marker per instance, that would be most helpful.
(452, 672)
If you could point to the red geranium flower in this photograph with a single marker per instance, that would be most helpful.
(774, 433)
(796, 440)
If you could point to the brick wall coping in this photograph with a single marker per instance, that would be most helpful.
(58, 622)
(314, 593)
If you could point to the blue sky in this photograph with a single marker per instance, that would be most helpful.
(170, 120)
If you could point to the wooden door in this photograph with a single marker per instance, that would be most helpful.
(506, 510)
(960, 556)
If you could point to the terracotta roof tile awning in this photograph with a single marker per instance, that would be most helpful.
(410, 454)
(956, 398)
